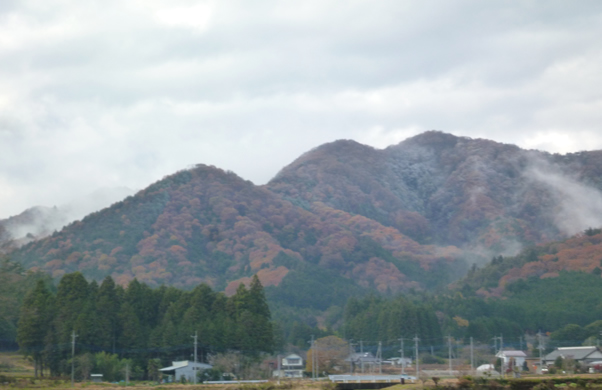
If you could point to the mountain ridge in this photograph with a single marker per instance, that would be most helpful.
(414, 215)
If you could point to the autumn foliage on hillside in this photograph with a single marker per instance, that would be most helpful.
(441, 189)
(205, 225)
(580, 253)
(411, 216)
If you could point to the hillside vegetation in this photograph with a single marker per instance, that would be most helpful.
(347, 220)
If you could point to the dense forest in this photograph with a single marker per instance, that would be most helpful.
(139, 323)
(148, 327)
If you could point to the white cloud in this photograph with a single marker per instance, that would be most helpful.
(114, 93)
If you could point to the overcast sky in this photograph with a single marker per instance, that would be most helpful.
(121, 93)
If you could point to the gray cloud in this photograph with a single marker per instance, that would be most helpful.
(103, 94)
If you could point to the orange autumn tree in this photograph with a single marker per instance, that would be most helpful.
(331, 352)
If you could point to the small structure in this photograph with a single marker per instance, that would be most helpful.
(487, 370)
(96, 378)
(291, 367)
(398, 361)
(584, 355)
(512, 359)
(362, 360)
(185, 369)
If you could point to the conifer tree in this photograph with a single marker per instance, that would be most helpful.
(107, 307)
(71, 299)
(33, 323)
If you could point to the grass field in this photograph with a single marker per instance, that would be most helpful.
(13, 364)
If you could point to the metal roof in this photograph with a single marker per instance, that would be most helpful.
(577, 353)
(185, 363)
(511, 354)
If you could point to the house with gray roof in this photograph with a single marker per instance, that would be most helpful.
(584, 355)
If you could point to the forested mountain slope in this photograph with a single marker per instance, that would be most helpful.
(341, 220)
(206, 225)
(447, 190)
(579, 253)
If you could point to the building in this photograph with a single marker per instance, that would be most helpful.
(291, 366)
(516, 357)
(185, 369)
(584, 355)
(362, 361)
(397, 361)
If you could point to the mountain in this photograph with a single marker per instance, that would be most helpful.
(33, 223)
(39, 221)
(341, 220)
(207, 225)
(446, 190)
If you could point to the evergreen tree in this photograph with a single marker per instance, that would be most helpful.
(33, 323)
(108, 304)
(257, 301)
(71, 300)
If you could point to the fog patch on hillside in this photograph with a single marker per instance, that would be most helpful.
(39, 221)
(579, 206)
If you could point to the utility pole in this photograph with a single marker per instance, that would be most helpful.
(495, 345)
(351, 353)
(73, 336)
(501, 343)
(403, 363)
(362, 355)
(502, 356)
(279, 370)
(449, 349)
(541, 348)
(416, 339)
(317, 361)
(195, 337)
(471, 356)
(313, 359)
(127, 372)
(379, 357)
(521, 343)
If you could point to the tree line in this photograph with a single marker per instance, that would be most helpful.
(139, 323)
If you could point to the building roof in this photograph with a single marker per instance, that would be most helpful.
(365, 357)
(577, 353)
(293, 356)
(185, 363)
(511, 354)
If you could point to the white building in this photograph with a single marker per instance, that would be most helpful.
(186, 369)
(517, 357)
(290, 367)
